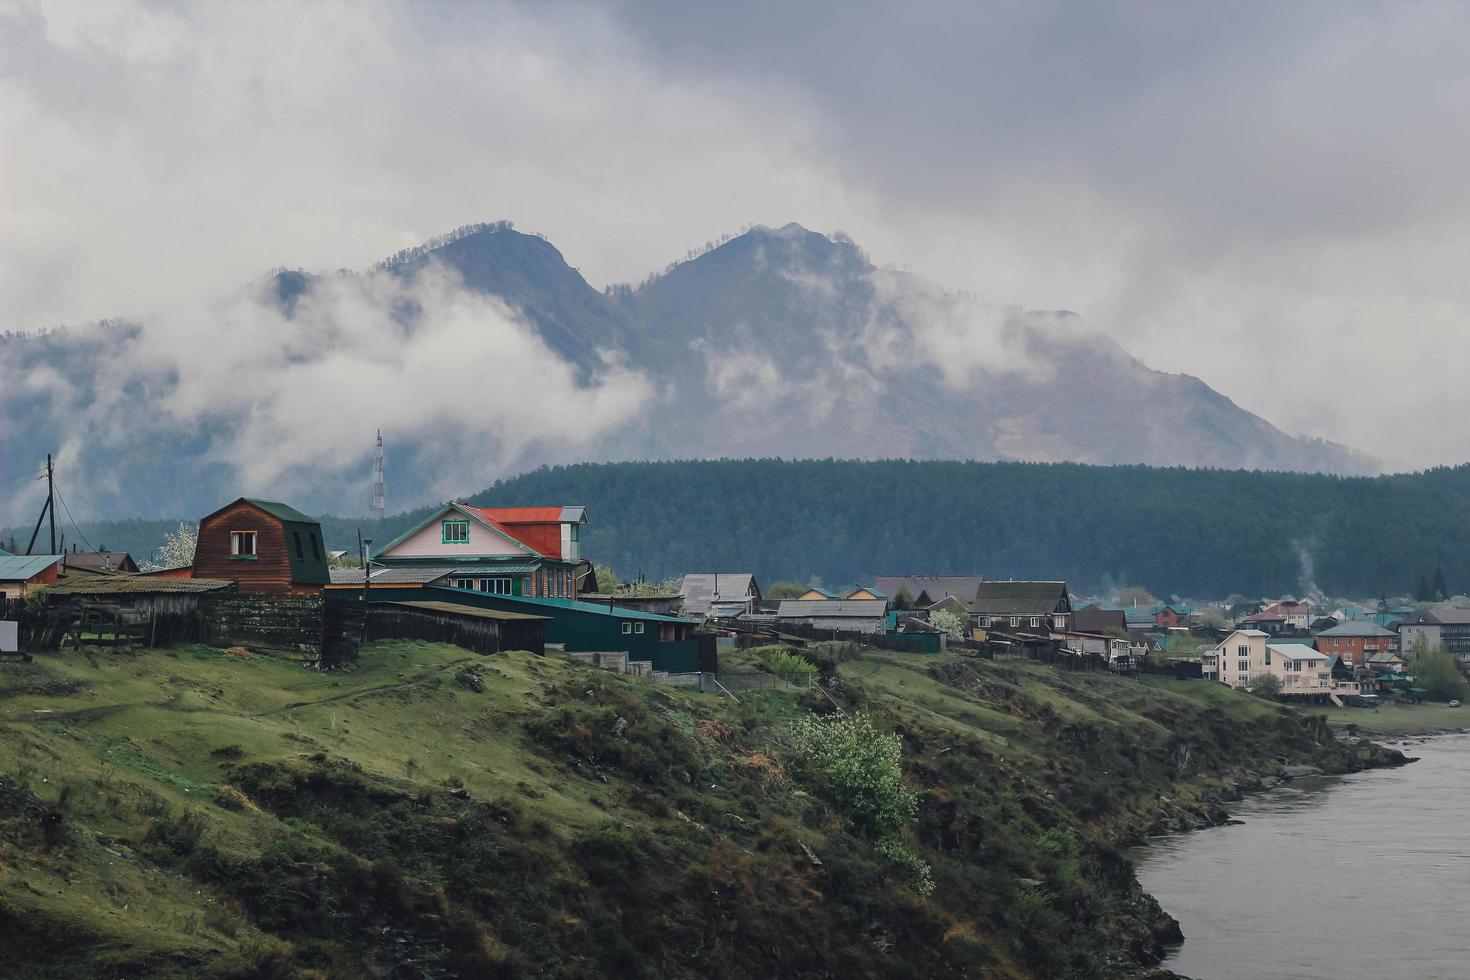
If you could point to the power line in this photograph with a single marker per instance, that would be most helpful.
(74, 527)
(38, 474)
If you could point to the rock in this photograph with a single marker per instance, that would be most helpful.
(1270, 782)
(1297, 772)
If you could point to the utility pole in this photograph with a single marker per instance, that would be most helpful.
(378, 506)
(48, 509)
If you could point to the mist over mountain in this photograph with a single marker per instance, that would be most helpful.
(484, 354)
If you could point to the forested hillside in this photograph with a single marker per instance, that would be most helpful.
(1191, 532)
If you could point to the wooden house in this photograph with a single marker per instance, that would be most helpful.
(99, 561)
(1022, 605)
(720, 593)
(532, 552)
(264, 546)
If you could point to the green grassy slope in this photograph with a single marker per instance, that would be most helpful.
(197, 812)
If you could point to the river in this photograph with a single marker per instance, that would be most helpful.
(1329, 878)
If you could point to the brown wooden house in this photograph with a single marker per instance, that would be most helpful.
(264, 546)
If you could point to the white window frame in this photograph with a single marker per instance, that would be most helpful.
(468, 584)
(238, 538)
(637, 627)
(1015, 621)
(627, 628)
(457, 525)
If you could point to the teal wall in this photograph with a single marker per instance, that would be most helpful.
(580, 630)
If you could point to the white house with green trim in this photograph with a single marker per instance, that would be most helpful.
(519, 551)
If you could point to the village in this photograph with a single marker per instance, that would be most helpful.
(260, 575)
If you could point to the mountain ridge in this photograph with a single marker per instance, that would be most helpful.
(777, 342)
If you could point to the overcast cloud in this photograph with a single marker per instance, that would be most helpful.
(1271, 197)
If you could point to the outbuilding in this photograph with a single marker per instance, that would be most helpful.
(265, 546)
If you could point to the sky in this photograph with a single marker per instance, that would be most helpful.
(1271, 197)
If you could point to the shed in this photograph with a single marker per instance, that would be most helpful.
(853, 615)
(666, 641)
(263, 545)
(20, 575)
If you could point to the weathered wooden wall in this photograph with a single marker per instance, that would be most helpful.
(269, 571)
(388, 622)
(286, 624)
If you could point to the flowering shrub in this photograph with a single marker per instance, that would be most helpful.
(860, 767)
(952, 623)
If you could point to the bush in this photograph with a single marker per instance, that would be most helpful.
(1438, 672)
(788, 666)
(1266, 686)
(951, 623)
(859, 766)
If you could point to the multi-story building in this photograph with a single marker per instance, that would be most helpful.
(1357, 640)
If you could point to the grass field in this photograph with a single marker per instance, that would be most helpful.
(198, 812)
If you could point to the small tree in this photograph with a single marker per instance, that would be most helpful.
(177, 550)
(1438, 672)
(785, 590)
(859, 768)
(1266, 686)
(952, 624)
(904, 601)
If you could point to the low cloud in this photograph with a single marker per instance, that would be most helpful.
(289, 400)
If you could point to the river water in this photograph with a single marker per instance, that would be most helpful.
(1330, 878)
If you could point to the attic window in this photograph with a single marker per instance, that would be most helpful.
(242, 544)
(316, 548)
(299, 553)
(456, 532)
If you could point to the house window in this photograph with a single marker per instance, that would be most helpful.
(316, 548)
(627, 628)
(465, 583)
(1268, 656)
(455, 532)
(1243, 651)
(296, 535)
(637, 627)
(1035, 621)
(242, 544)
(495, 586)
(1015, 620)
(1243, 666)
(1059, 622)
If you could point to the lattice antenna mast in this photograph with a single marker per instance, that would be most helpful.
(378, 479)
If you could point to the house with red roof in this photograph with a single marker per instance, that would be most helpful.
(534, 552)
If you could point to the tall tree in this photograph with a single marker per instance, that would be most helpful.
(1441, 591)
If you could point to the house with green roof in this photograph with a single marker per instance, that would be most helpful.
(264, 546)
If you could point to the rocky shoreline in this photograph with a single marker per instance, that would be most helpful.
(1203, 806)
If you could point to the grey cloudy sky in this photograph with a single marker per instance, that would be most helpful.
(1271, 197)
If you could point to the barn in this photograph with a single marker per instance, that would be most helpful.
(265, 546)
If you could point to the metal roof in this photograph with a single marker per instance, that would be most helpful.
(138, 585)
(1295, 651)
(392, 575)
(572, 605)
(963, 587)
(699, 589)
(282, 511)
(19, 568)
(1357, 627)
(455, 609)
(827, 608)
(1009, 598)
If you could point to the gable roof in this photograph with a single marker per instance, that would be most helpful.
(478, 514)
(19, 568)
(534, 515)
(281, 511)
(699, 589)
(832, 608)
(963, 587)
(1091, 619)
(1019, 597)
(874, 592)
(1295, 651)
(109, 561)
(1357, 627)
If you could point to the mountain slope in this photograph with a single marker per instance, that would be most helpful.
(780, 342)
